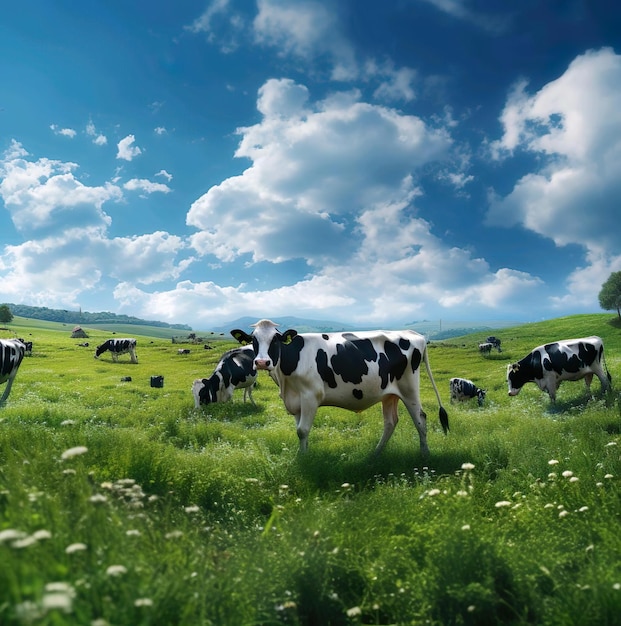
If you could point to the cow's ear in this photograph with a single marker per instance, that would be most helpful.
(242, 336)
(288, 335)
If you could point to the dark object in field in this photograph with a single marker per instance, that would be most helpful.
(157, 381)
(126, 379)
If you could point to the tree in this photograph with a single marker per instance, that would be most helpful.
(610, 295)
(6, 316)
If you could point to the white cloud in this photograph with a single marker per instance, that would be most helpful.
(146, 186)
(308, 30)
(573, 124)
(44, 196)
(99, 139)
(65, 132)
(314, 169)
(165, 174)
(126, 148)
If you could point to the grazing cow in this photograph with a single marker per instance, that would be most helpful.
(552, 363)
(350, 370)
(463, 389)
(485, 348)
(235, 370)
(118, 347)
(183, 351)
(11, 357)
(495, 342)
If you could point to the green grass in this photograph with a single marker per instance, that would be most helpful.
(169, 515)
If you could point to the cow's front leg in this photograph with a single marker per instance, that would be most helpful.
(419, 417)
(304, 422)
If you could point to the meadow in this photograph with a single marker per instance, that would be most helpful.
(121, 504)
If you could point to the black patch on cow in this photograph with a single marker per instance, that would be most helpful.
(417, 357)
(404, 344)
(324, 370)
(351, 358)
(357, 393)
(559, 360)
(392, 363)
(325, 336)
(289, 353)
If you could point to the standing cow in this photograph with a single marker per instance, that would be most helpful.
(11, 357)
(235, 370)
(350, 370)
(118, 347)
(485, 348)
(462, 389)
(552, 363)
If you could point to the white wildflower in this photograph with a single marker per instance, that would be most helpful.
(354, 611)
(11, 534)
(143, 602)
(552, 462)
(467, 467)
(75, 547)
(574, 479)
(433, 492)
(192, 509)
(42, 534)
(116, 570)
(71, 452)
(563, 513)
(502, 503)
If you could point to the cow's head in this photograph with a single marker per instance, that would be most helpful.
(512, 376)
(266, 341)
(101, 349)
(481, 395)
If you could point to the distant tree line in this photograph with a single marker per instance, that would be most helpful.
(84, 317)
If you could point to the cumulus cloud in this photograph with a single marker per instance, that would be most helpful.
(574, 125)
(67, 251)
(308, 30)
(315, 167)
(126, 148)
(44, 196)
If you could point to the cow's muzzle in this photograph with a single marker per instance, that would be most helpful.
(263, 364)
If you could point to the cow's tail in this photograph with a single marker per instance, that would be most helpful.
(443, 414)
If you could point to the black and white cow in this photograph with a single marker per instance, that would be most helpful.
(235, 370)
(495, 342)
(485, 348)
(463, 389)
(350, 370)
(552, 363)
(11, 357)
(118, 347)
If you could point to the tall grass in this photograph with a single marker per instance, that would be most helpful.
(122, 504)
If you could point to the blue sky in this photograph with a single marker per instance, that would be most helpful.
(369, 162)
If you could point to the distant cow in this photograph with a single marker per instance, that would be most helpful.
(495, 342)
(462, 389)
(552, 363)
(235, 370)
(350, 370)
(11, 357)
(118, 347)
(183, 351)
(485, 348)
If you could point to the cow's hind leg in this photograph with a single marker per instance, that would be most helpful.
(391, 417)
(419, 417)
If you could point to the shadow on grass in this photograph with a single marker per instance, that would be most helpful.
(330, 469)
